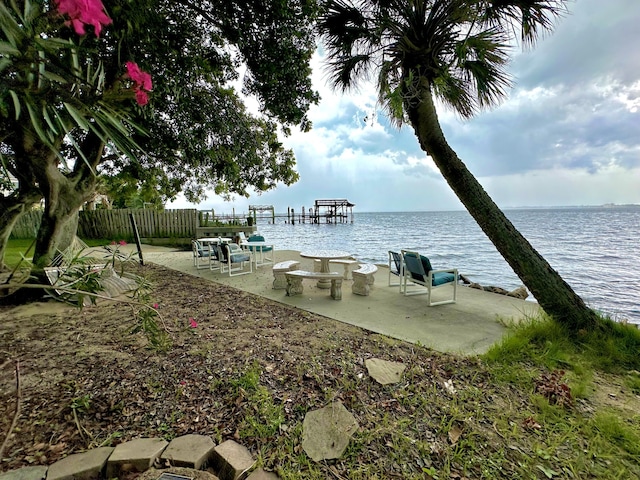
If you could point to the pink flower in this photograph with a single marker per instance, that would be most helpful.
(141, 80)
(193, 323)
(155, 305)
(122, 242)
(141, 97)
(84, 12)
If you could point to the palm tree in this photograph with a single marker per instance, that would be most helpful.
(454, 51)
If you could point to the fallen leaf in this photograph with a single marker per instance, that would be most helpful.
(454, 434)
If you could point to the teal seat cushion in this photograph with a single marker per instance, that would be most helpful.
(426, 265)
(441, 278)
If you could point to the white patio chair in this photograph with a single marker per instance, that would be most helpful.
(201, 255)
(232, 259)
(417, 271)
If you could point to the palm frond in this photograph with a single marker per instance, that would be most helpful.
(347, 37)
(529, 19)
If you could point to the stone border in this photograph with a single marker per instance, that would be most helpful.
(229, 460)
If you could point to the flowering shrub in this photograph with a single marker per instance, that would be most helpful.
(141, 81)
(91, 12)
(84, 12)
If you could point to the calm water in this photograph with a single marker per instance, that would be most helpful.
(594, 249)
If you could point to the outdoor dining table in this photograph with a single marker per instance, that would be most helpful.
(324, 256)
(215, 240)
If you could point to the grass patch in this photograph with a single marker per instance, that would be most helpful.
(18, 251)
(595, 433)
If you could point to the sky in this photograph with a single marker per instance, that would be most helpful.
(567, 135)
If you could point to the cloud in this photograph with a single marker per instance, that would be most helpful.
(568, 133)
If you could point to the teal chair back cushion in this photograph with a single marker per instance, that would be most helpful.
(201, 251)
(397, 260)
(258, 238)
(426, 264)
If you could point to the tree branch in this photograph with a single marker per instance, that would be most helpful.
(16, 413)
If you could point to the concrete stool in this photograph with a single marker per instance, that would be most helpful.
(279, 280)
(363, 278)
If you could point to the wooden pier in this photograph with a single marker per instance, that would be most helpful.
(323, 211)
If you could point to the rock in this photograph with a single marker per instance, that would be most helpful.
(476, 286)
(86, 465)
(259, 474)
(498, 290)
(520, 292)
(326, 432)
(25, 473)
(232, 460)
(154, 474)
(135, 455)
(192, 451)
(383, 371)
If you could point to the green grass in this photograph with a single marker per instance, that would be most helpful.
(17, 250)
(20, 249)
(495, 425)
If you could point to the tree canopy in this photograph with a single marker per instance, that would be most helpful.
(157, 88)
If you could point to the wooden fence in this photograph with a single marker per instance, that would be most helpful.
(115, 224)
(27, 225)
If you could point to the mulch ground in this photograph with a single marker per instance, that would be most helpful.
(85, 380)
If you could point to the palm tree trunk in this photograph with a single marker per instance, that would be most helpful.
(554, 295)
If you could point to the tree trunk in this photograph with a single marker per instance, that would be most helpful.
(60, 217)
(554, 295)
(64, 194)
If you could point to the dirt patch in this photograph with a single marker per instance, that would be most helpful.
(68, 356)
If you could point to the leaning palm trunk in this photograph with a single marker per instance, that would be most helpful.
(554, 295)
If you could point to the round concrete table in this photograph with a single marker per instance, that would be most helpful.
(324, 256)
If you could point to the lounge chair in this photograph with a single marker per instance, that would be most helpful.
(232, 259)
(395, 268)
(242, 238)
(418, 272)
(202, 255)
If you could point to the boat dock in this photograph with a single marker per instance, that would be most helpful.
(323, 211)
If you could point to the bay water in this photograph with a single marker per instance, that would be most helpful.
(595, 249)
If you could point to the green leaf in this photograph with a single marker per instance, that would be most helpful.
(10, 27)
(47, 118)
(548, 472)
(79, 118)
(37, 124)
(71, 138)
(16, 103)
(8, 49)
(54, 77)
(4, 63)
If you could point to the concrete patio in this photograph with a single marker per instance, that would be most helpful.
(467, 327)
